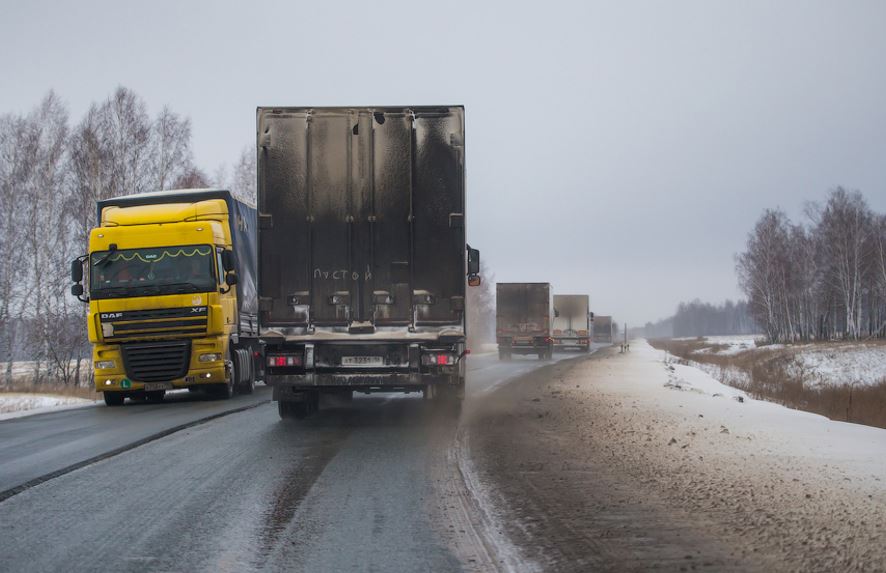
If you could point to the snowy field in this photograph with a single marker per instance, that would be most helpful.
(18, 404)
(840, 364)
(814, 363)
(771, 428)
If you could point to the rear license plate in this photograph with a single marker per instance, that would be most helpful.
(154, 386)
(362, 361)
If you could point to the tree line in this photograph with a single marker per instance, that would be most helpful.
(697, 318)
(823, 278)
(52, 172)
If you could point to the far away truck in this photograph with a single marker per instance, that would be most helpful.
(603, 329)
(572, 321)
(171, 286)
(362, 252)
(523, 314)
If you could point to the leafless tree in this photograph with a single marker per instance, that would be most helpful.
(171, 148)
(818, 281)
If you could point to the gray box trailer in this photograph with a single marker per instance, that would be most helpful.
(523, 313)
(603, 329)
(572, 322)
(362, 252)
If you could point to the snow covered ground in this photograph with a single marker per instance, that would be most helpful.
(814, 363)
(774, 429)
(786, 482)
(18, 404)
(727, 345)
(840, 363)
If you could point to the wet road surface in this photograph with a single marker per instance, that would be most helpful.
(370, 486)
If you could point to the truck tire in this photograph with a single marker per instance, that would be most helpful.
(244, 367)
(114, 398)
(226, 390)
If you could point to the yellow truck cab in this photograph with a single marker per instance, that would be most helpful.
(170, 279)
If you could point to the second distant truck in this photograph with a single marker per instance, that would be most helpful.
(523, 317)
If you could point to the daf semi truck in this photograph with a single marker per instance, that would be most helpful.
(523, 315)
(572, 322)
(170, 279)
(363, 260)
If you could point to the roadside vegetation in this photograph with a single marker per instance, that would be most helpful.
(808, 377)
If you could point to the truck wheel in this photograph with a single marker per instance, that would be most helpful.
(155, 396)
(226, 391)
(114, 398)
(245, 361)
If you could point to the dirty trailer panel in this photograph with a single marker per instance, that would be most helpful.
(362, 239)
(523, 313)
(571, 321)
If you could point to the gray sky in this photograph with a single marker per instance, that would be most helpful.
(623, 149)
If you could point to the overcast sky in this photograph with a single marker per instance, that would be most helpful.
(623, 149)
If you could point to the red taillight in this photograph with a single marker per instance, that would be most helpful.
(283, 361)
(442, 359)
(467, 351)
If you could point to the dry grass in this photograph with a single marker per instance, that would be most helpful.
(87, 392)
(767, 374)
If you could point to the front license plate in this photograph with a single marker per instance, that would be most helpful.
(362, 361)
(154, 386)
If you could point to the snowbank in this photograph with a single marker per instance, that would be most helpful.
(841, 364)
(771, 428)
(15, 405)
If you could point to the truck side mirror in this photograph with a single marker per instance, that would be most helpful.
(77, 290)
(473, 267)
(77, 271)
(228, 260)
(473, 261)
(231, 279)
(556, 313)
(591, 315)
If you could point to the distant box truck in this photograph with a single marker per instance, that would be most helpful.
(572, 322)
(523, 313)
(170, 282)
(602, 329)
(362, 252)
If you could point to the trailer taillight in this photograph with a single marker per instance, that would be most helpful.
(284, 360)
(439, 359)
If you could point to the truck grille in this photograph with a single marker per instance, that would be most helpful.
(154, 323)
(157, 361)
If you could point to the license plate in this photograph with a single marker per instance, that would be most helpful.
(154, 386)
(362, 361)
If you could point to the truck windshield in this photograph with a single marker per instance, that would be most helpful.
(159, 270)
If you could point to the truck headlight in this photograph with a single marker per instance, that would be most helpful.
(210, 357)
(105, 365)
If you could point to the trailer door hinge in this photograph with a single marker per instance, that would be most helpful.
(265, 221)
(456, 220)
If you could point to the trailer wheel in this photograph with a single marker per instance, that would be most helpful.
(114, 398)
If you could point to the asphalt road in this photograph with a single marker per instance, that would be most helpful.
(372, 486)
